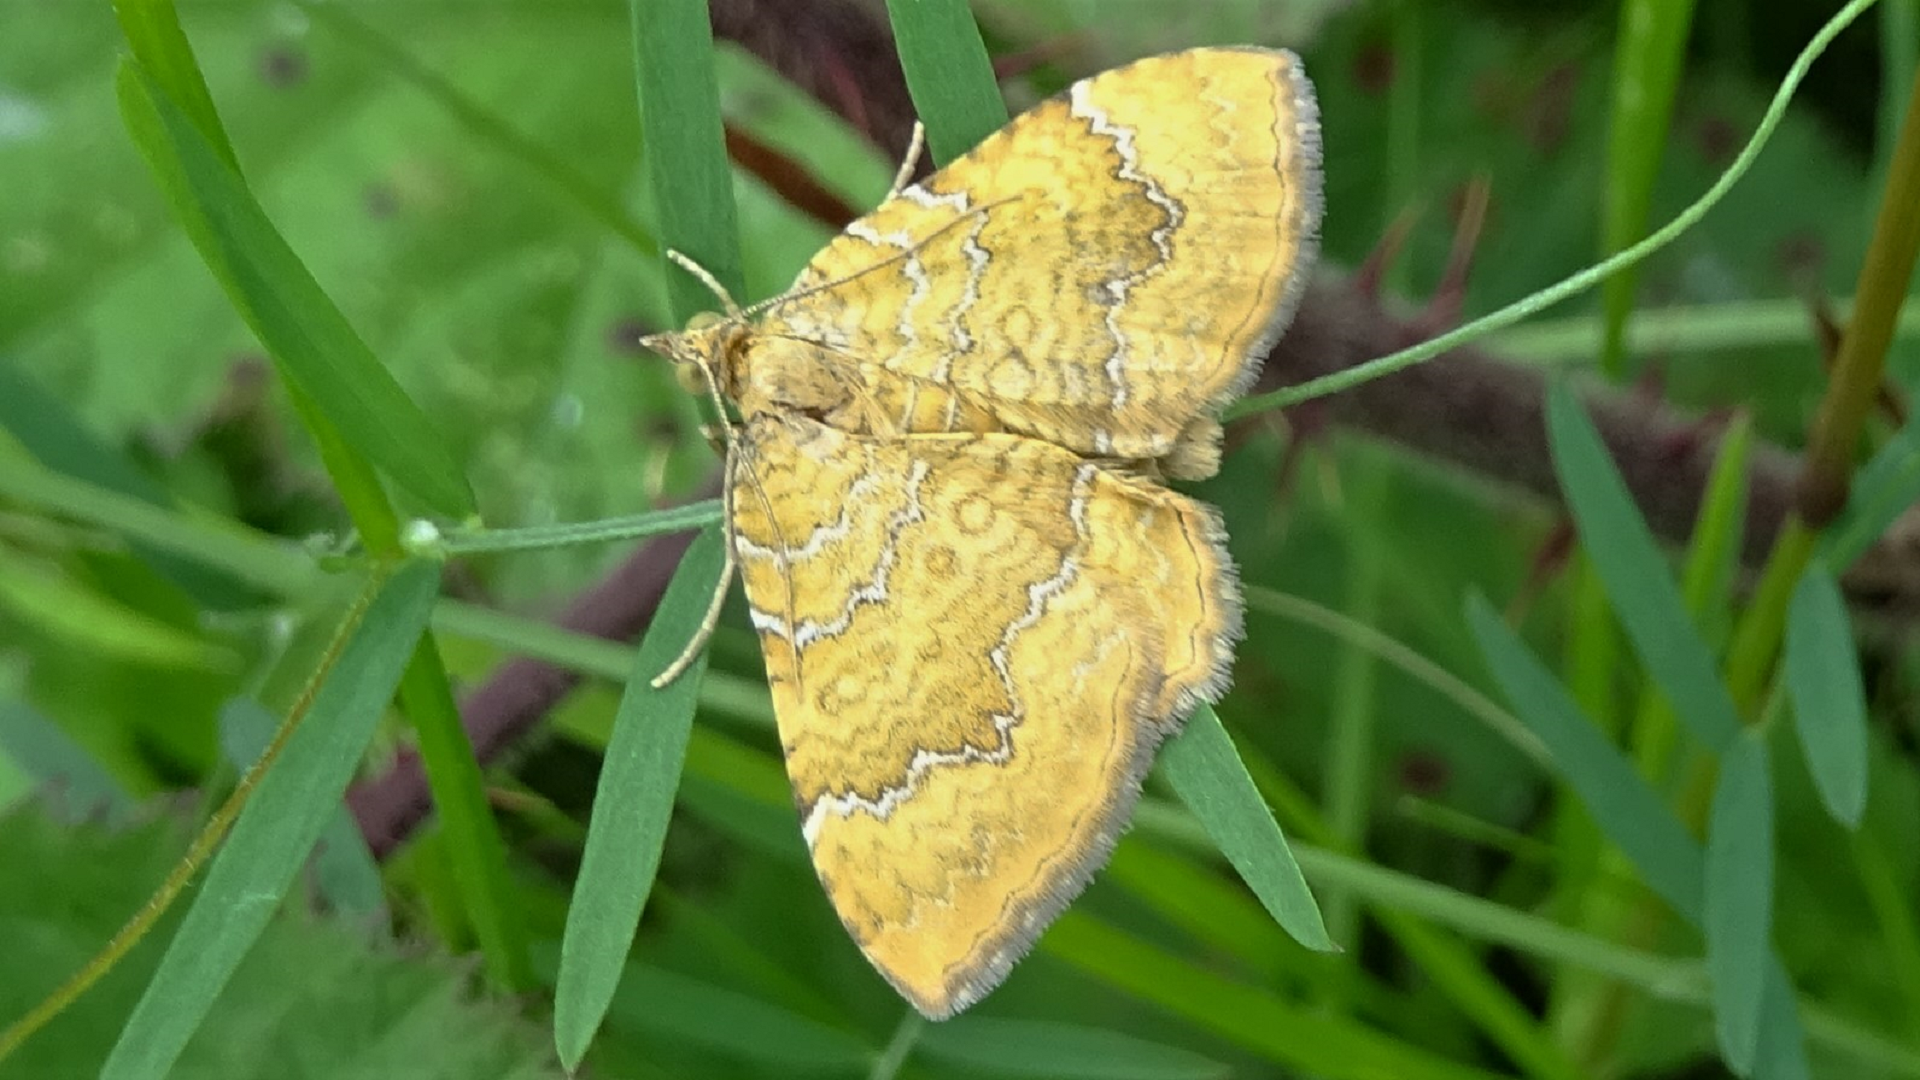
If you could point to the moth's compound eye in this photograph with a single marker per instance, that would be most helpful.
(688, 373)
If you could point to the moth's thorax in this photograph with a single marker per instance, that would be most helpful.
(772, 374)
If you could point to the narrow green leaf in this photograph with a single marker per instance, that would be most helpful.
(632, 805)
(1632, 815)
(685, 155)
(1193, 896)
(161, 50)
(1626, 809)
(1883, 878)
(1886, 486)
(1633, 570)
(311, 343)
(689, 1010)
(266, 563)
(1207, 773)
(1739, 896)
(46, 601)
(152, 30)
(55, 436)
(1719, 530)
(1783, 1041)
(948, 73)
(1066, 1051)
(1706, 583)
(344, 872)
(276, 830)
(1829, 699)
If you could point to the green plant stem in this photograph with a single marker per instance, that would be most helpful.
(1756, 639)
(1456, 971)
(203, 845)
(1358, 634)
(453, 773)
(906, 1035)
(1350, 759)
(1736, 324)
(1404, 108)
(696, 515)
(1650, 52)
(1586, 279)
(1885, 274)
(1855, 384)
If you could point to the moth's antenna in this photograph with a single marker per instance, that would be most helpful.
(706, 278)
(795, 294)
(912, 161)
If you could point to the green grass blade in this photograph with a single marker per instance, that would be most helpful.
(269, 564)
(476, 852)
(1309, 1041)
(632, 805)
(1626, 809)
(310, 341)
(1706, 584)
(1739, 896)
(42, 600)
(1630, 564)
(685, 156)
(1650, 51)
(1585, 279)
(948, 74)
(274, 833)
(1210, 778)
(1713, 550)
(152, 29)
(1213, 908)
(1630, 814)
(674, 1006)
(990, 1045)
(54, 435)
(1883, 879)
(1829, 699)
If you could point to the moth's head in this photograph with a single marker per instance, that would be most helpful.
(701, 353)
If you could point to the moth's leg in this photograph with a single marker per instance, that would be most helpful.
(912, 161)
(712, 618)
(727, 569)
